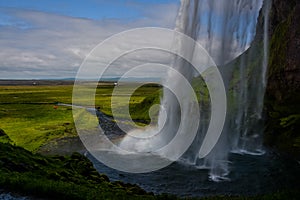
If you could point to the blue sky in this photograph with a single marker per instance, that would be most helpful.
(92, 9)
(51, 38)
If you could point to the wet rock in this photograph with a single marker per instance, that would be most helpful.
(283, 90)
(2, 133)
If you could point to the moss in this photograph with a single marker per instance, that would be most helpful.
(4, 138)
(278, 46)
(282, 99)
(283, 125)
(289, 120)
(70, 177)
(140, 111)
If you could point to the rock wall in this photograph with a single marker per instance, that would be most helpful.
(282, 100)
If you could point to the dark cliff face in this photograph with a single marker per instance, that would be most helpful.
(285, 46)
(282, 100)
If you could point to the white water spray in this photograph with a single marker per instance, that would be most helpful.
(226, 29)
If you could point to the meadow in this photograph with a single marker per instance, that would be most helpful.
(32, 115)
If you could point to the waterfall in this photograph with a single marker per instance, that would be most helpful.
(247, 119)
(226, 29)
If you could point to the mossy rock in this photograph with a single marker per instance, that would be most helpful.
(4, 138)
(69, 177)
(2, 133)
(283, 90)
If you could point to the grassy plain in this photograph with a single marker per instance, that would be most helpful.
(31, 115)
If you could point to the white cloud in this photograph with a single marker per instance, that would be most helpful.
(44, 45)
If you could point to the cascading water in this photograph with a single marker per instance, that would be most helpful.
(226, 29)
(246, 119)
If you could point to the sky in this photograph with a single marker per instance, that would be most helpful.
(50, 39)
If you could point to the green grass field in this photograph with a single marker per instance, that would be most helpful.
(30, 117)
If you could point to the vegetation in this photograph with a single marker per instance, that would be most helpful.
(34, 115)
(31, 115)
(282, 98)
(71, 177)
